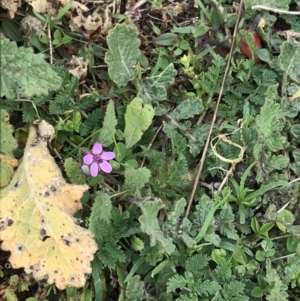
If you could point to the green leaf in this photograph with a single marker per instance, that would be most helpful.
(285, 217)
(7, 173)
(269, 122)
(154, 87)
(57, 36)
(96, 274)
(63, 11)
(135, 289)
(108, 130)
(123, 53)
(136, 243)
(277, 288)
(257, 292)
(207, 287)
(104, 202)
(255, 225)
(266, 228)
(288, 64)
(135, 267)
(200, 30)
(7, 146)
(74, 172)
(262, 190)
(150, 226)
(292, 243)
(183, 29)
(216, 19)
(136, 178)
(162, 265)
(120, 151)
(7, 141)
(219, 256)
(209, 218)
(175, 212)
(260, 256)
(71, 291)
(269, 125)
(176, 282)
(138, 118)
(188, 108)
(24, 73)
(166, 39)
(11, 30)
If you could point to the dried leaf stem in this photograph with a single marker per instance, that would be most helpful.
(275, 10)
(188, 209)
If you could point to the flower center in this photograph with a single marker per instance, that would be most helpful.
(97, 158)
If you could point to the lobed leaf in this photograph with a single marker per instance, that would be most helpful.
(136, 178)
(105, 206)
(74, 172)
(7, 145)
(150, 226)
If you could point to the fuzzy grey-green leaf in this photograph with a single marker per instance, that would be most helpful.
(7, 141)
(188, 108)
(288, 63)
(122, 54)
(154, 87)
(24, 73)
(109, 125)
(74, 172)
(150, 226)
(136, 178)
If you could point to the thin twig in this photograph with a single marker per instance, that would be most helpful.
(188, 209)
(275, 10)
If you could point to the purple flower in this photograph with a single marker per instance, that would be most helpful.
(97, 160)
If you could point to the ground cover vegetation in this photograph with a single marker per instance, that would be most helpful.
(150, 150)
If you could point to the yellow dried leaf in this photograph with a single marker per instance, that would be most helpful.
(36, 218)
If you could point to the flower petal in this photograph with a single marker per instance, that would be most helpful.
(88, 159)
(97, 148)
(94, 169)
(108, 155)
(106, 167)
